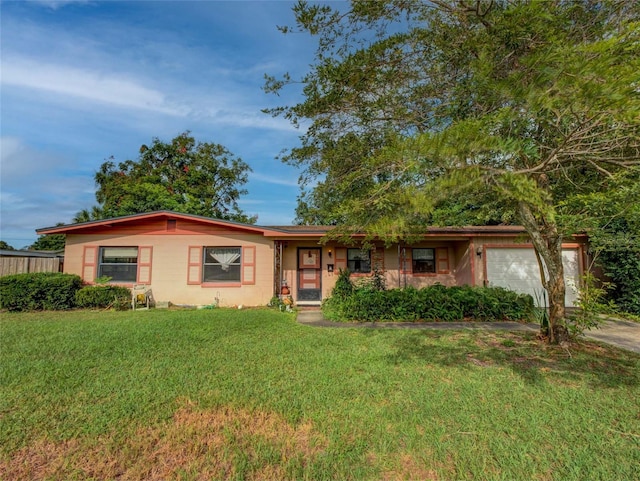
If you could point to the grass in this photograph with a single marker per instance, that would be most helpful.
(228, 394)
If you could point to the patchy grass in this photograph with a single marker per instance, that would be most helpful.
(227, 394)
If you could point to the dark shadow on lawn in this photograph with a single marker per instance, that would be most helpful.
(532, 359)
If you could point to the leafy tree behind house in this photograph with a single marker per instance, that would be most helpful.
(414, 103)
(182, 175)
(49, 242)
(5, 246)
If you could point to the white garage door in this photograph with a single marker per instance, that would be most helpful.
(517, 269)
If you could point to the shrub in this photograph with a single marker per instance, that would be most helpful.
(39, 291)
(433, 303)
(104, 296)
(622, 266)
(344, 286)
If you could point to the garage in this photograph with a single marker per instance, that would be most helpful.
(516, 268)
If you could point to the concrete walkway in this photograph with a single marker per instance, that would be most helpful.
(623, 334)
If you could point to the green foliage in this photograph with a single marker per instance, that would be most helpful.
(623, 268)
(433, 303)
(394, 103)
(611, 217)
(343, 287)
(591, 303)
(49, 242)
(5, 246)
(38, 291)
(103, 296)
(183, 176)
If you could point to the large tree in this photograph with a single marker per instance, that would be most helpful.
(413, 103)
(183, 175)
(49, 242)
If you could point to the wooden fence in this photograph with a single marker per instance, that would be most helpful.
(22, 265)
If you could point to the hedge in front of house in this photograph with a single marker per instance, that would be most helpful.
(433, 303)
(104, 296)
(39, 291)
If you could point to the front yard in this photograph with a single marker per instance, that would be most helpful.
(228, 394)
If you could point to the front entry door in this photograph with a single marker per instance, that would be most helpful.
(309, 274)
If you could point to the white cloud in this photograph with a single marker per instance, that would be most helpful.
(88, 85)
(291, 182)
(56, 4)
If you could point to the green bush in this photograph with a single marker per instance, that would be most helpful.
(433, 303)
(622, 266)
(104, 296)
(39, 291)
(343, 287)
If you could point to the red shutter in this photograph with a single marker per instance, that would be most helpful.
(249, 265)
(145, 254)
(89, 263)
(341, 258)
(194, 265)
(442, 259)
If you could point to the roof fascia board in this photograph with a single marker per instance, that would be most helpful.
(112, 222)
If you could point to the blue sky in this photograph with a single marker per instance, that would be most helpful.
(84, 80)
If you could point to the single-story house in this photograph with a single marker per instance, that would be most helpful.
(194, 260)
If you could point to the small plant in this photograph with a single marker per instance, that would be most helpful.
(590, 304)
(281, 303)
(540, 311)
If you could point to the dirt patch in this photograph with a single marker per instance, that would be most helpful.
(409, 467)
(196, 444)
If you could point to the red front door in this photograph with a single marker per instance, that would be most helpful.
(309, 274)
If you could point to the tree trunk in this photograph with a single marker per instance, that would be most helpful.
(547, 243)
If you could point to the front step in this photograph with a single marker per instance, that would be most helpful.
(309, 305)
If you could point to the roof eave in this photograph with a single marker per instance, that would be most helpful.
(71, 228)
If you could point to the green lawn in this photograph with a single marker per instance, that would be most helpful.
(228, 394)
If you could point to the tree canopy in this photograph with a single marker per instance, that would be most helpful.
(184, 176)
(490, 105)
(5, 246)
(49, 242)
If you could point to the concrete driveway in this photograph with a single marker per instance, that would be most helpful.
(623, 334)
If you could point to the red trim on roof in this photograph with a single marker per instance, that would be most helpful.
(159, 215)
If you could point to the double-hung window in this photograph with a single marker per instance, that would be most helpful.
(222, 264)
(423, 261)
(359, 261)
(119, 263)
